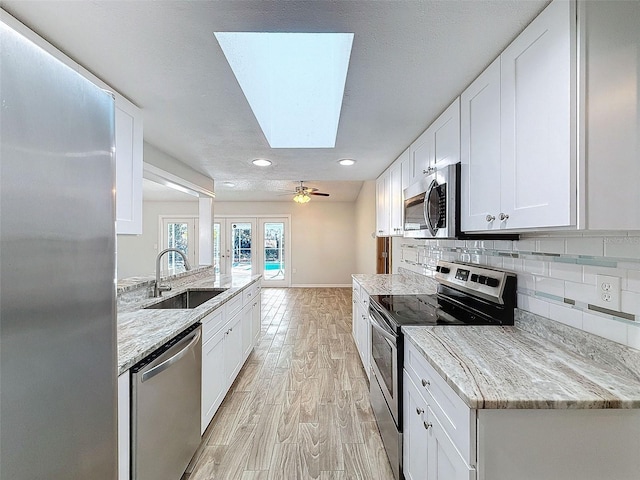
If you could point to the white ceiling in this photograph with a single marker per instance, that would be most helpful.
(410, 59)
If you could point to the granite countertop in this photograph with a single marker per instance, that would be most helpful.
(508, 367)
(396, 284)
(140, 331)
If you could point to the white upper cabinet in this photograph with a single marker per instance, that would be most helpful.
(480, 151)
(396, 186)
(536, 122)
(438, 146)
(610, 87)
(383, 218)
(129, 167)
(518, 163)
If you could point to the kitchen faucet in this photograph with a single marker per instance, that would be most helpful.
(158, 289)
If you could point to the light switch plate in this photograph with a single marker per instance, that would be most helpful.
(607, 292)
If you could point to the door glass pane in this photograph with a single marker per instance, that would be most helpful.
(241, 254)
(177, 237)
(274, 251)
(216, 248)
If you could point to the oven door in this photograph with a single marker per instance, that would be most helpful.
(384, 362)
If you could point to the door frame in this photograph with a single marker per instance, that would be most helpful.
(257, 259)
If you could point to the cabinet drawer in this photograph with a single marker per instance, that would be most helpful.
(456, 418)
(212, 323)
(356, 288)
(234, 305)
(249, 293)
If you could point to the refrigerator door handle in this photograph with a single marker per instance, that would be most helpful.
(148, 375)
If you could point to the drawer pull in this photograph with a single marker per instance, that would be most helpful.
(427, 426)
(419, 410)
(425, 383)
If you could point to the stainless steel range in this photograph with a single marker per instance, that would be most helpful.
(466, 295)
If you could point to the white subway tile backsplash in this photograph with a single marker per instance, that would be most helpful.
(535, 267)
(593, 246)
(590, 272)
(622, 247)
(630, 302)
(567, 315)
(503, 244)
(605, 327)
(527, 245)
(526, 281)
(495, 262)
(580, 292)
(565, 271)
(633, 336)
(633, 280)
(550, 245)
(534, 305)
(551, 286)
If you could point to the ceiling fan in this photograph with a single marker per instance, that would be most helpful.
(302, 193)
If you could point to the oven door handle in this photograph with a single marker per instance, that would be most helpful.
(383, 332)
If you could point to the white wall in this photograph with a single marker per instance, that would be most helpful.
(323, 237)
(556, 274)
(166, 162)
(365, 228)
(137, 253)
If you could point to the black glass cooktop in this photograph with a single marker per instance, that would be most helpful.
(405, 310)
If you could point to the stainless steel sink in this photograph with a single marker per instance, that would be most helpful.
(188, 299)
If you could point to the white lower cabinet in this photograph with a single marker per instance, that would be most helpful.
(428, 451)
(361, 329)
(444, 439)
(228, 336)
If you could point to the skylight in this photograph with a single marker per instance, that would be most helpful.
(294, 83)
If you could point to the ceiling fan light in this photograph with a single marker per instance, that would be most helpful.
(301, 197)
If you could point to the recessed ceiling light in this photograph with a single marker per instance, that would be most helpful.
(261, 162)
(229, 184)
(294, 82)
(346, 162)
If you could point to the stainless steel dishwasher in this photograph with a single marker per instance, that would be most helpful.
(165, 408)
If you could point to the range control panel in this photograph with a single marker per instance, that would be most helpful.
(485, 282)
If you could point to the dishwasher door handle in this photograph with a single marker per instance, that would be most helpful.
(171, 360)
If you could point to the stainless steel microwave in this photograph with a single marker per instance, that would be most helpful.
(431, 206)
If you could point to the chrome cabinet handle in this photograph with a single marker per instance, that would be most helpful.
(428, 171)
(419, 410)
(490, 218)
(425, 383)
(427, 425)
(503, 216)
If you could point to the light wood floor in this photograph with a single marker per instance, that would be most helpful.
(299, 408)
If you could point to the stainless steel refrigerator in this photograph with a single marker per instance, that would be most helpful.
(57, 269)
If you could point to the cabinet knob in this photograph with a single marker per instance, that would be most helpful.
(428, 171)
(419, 410)
(503, 216)
(490, 218)
(427, 426)
(425, 383)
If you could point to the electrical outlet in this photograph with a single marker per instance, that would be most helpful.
(607, 292)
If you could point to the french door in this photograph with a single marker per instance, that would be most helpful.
(250, 245)
(180, 233)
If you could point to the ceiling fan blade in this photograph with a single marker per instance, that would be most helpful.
(319, 194)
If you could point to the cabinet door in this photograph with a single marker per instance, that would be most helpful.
(382, 205)
(415, 436)
(355, 317)
(247, 330)
(443, 460)
(233, 348)
(420, 155)
(364, 342)
(396, 203)
(537, 122)
(214, 380)
(256, 317)
(445, 133)
(128, 125)
(480, 151)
